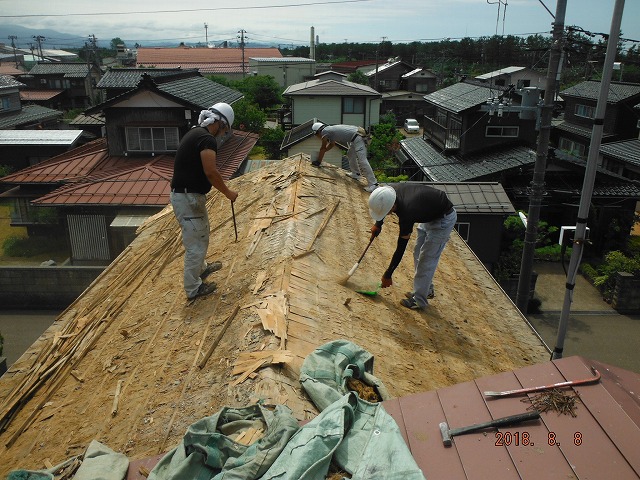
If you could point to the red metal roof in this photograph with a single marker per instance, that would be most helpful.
(600, 442)
(182, 56)
(125, 180)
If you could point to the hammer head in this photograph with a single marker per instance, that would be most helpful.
(444, 430)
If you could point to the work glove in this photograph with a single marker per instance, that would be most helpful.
(375, 231)
(386, 282)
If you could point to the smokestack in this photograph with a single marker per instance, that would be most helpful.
(312, 45)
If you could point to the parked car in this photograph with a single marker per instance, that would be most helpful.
(411, 125)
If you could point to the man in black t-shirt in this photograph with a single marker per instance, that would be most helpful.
(194, 173)
(434, 213)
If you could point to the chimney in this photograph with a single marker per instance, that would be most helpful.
(312, 46)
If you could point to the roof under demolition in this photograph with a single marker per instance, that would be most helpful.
(131, 363)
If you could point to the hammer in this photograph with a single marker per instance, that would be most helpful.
(498, 422)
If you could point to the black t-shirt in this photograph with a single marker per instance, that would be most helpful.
(187, 168)
(418, 203)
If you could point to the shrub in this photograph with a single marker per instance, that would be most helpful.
(14, 246)
(614, 262)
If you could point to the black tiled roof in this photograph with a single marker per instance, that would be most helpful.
(627, 151)
(7, 81)
(591, 90)
(579, 130)
(69, 70)
(129, 77)
(477, 197)
(462, 96)
(453, 168)
(28, 114)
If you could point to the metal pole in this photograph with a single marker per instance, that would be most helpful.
(589, 177)
(537, 184)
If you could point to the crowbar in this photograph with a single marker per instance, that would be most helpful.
(447, 433)
(233, 214)
(546, 387)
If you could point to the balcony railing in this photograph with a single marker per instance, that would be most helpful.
(445, 138)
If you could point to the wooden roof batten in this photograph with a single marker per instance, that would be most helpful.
(132, 363)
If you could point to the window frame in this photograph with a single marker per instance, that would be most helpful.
(354, 102)
(150, 139)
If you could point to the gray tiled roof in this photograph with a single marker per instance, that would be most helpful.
(579, 130)
(28, 114)
(330, 88)
(453, 168)
(591, 90)
(462, 96)
(129, 77)
(69, 70)
(7, 81)
(200, 91)
(627, 151)
(477, 197)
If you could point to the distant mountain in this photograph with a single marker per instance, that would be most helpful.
(53, 39)
(61, 41)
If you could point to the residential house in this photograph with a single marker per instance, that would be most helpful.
(15, 116)
(573, 134)
(330, 75)
(230, 63)
(419, 80)
(403, 104)
(622, 158)
(389, 76)
(98, 194)
(334, 101)
(285, 71)
(465, 139)
(23, 148)
(353, 66)
(519, 77)
(301, 139)
(70, 85)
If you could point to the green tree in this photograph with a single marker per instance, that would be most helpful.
(358, 77)
(262, 90)
(271, 139)
(115, 42)
(385, 142)
(249, 117)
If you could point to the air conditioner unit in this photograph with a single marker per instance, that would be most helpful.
(567, 233)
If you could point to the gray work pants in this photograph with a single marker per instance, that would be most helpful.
(358, 163)
(191, 211)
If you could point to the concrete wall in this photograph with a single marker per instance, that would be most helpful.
(44, 287)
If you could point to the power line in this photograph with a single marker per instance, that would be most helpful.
(182, 10)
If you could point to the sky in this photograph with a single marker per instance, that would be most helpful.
(289, 22)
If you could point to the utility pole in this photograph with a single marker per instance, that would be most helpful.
(537, 184)
(589, 176)
(242, 32)
(39, 39)
(13, 39)
(206, 34)
(375, 77)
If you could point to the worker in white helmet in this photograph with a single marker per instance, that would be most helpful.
(357, 150)
(194, 173)
(432, 210)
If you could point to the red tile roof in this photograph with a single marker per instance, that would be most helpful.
(601, 441)
(95, 178)
(35, 95)
(184, 56)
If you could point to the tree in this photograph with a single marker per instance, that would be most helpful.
(385, 142)
(115, 42)
(249, 117)
(358, 77)
(262, 90)
(271, 139)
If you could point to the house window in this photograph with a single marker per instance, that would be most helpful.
(5, 104)
(353, 105)
(524, 83)
(422, 87)
(585, 111)
(573, 148)
(152, 139)
(501, 131)
(463, 228)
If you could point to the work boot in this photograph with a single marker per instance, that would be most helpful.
(204, 289)
(211, 267)
(316, 163)
(371, 188)
(411, 303)
(430, 296)
(354, 175)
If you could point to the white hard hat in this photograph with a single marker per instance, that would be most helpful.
(225, 111)
(317, 126)
(380, 202)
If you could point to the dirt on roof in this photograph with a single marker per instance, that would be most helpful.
(132, 363)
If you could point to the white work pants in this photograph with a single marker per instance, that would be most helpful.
(358, 163)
